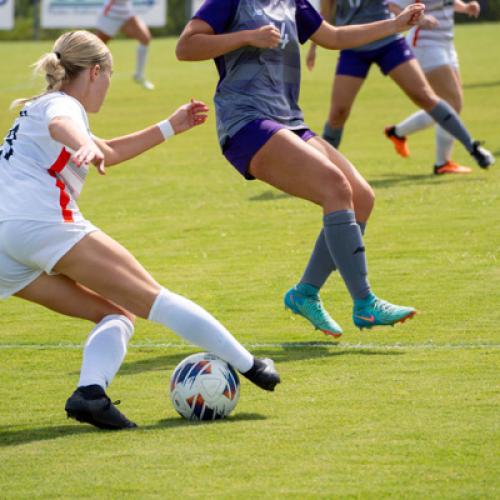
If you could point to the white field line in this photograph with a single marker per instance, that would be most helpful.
(292, 345)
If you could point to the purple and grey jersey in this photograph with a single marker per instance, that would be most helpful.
(259, 83)
(363, 12)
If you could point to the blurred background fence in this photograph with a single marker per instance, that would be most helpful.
(27, 15)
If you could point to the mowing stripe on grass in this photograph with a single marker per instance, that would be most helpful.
(284, 345)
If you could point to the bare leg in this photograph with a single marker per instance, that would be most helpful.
(321, 264)
(410, 77)
(61, 294)
(303, 172)
(299, 169)
(362, 194)
(344, 91)
(101, 264)
(445, 81)
(137, 29)
(104, 350)
(105, 38)
(447, 84)
(307, 173)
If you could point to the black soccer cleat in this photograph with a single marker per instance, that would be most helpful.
(90, 404)
(482, 156)
(263, 374)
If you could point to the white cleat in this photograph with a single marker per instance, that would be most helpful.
(145, 83)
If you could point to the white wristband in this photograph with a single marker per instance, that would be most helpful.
(166, 129)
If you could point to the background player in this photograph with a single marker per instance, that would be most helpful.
(432, 44)
(263, 134)
(394, 57)
(51, 255)
(118, 15)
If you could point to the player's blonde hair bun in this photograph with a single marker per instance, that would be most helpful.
(72, 53)
(50, 65)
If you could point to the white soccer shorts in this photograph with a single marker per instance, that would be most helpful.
(111, 23)
(434, 56)
(29, 248)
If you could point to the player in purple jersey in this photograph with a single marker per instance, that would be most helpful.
(255, 44)
(395, 58)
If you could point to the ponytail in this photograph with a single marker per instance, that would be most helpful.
(73, 52)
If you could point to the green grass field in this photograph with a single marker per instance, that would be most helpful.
(407, 412)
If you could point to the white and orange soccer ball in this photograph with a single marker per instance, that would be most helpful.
(204, 387)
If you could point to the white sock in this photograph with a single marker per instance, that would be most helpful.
(415, 122)
(196, 325)
(105, 350)
(444, 145)
(142, 54)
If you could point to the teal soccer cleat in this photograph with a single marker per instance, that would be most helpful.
(373, 311)
(304, 300)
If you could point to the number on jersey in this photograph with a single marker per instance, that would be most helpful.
(8, 148)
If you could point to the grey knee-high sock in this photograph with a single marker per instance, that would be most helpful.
(448, 118)
(321, 263)
(345, 242)
(332, 135)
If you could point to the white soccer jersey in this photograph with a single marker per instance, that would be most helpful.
(118, 9)
(442, 34)
(37, 179)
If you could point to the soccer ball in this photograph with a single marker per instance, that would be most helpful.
(204, 387)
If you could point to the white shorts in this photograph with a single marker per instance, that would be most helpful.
(110, 22)
(29, 248)
(434, 56)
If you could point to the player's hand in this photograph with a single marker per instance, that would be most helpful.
(267, 37)
(410, 16)
(473, 9)
(428, 22)
(90, 153)
(188, 116)
(311, 57)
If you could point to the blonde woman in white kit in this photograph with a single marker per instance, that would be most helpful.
(51, 255)
(433, 46)
(118, 15)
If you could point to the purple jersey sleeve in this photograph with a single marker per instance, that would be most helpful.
(308, 20)
(217, 13)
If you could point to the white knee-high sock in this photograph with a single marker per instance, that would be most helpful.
(193, 323)
(415, 122)
(105, 350)
(142, 54)
(444, 145)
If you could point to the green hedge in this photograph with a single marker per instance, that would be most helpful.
(23, 29)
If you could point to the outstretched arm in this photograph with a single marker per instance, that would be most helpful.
(427, 22)
(472, 9)
(129, 146)
(346, 37)
(103, 153)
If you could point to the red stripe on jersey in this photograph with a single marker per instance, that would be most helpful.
(415, 37)
(61, 162)
(64, 199)
(108, 7)
(417, 31)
